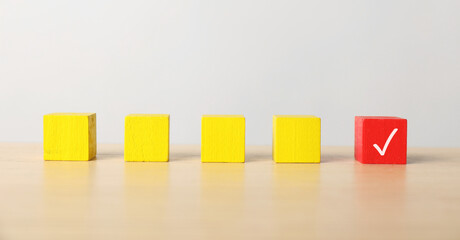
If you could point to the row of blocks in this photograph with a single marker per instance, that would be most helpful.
(296, 138)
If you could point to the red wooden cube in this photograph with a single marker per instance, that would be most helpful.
(381, 140)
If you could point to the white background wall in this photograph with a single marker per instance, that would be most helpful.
(333, 59)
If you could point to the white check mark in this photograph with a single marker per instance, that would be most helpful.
(382, 152)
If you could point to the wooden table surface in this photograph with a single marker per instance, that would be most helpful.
(185, 199)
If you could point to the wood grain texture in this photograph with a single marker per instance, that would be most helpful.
(296, 139)
(69, 136)
(147, 138)
(186, 199)
(380, 140)
(222, 138)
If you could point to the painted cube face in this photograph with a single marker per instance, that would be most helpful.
(380, 140)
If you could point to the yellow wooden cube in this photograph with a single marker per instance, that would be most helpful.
(222, 138)
(147, 138)
(296, 139)
(69, 136)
